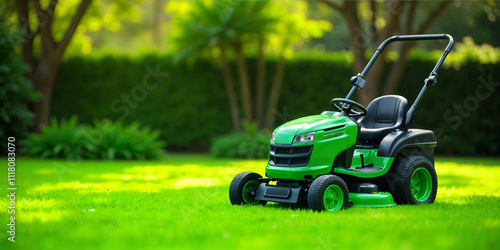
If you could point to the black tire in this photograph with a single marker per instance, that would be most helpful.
(242, 194)
(421, 170)
(330, 185)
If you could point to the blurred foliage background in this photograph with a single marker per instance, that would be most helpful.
(134, 27)
(15, 91)
(197, 70)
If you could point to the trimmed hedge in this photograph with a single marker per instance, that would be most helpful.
(189, 106)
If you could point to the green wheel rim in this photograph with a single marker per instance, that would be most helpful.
(333, 199)
(249, 191)
(421, 184)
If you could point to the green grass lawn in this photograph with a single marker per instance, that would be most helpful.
(183, 202)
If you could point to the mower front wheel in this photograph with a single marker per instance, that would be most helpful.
(328, 192)
(243, 189)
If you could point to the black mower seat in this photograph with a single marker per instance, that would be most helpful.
(384, 115)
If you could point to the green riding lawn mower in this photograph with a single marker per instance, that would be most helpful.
(353, 156)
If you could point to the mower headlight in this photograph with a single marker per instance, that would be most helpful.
(273, 138)
(307, 137)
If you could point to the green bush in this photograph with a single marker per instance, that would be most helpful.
(117, 141)
(15, 91)
(251, 144)
(65, 139)
(103, 140)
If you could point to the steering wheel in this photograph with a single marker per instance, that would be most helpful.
(346, 107)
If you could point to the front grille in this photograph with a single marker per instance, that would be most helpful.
(289, 156)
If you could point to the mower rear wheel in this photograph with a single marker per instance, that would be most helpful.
(415, 181)
(328, 192)
(243, 189)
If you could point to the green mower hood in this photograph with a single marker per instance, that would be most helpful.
(286, 132)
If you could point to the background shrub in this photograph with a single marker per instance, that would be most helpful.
(251, 144)
(15, 91)
(65, 139)
(117, 141)
(104, 140)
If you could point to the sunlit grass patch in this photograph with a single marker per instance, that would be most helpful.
(461, 180)
(146, 178)
(183, 202)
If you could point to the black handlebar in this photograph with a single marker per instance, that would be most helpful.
(359, 81)
(412, 38)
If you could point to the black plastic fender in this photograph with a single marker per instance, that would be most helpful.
(398, 140)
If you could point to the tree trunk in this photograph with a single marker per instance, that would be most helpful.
(357, 40)
(357, 43)
(231, 95)
(371, 89)
(43, 70)
(43, 81)
(27, 43)
(397, 69)
(275, 92)
(244, 85)
(260, 84)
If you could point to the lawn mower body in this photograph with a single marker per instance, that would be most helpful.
(345, 157)
(292, 166)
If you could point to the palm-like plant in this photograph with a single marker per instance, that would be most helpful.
(219, 29)
(214, 28)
